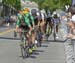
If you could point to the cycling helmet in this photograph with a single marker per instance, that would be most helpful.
(55, 15)
(26, 10)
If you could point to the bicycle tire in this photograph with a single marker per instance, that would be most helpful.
(22, 52)
(23, 45)
(25, 51)
(39, 43)
(48, 31)
(54, 36)
(39, 37)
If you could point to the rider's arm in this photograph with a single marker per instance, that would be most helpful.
(17, 22)
(17, 25)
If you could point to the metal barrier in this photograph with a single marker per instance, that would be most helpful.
(69, 51)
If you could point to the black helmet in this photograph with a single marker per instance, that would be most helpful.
(55, 16)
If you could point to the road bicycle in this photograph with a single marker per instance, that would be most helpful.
(24, 44)
(54, 32)
(48, 31)
(39, 36)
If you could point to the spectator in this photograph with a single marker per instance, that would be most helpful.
(71, 25)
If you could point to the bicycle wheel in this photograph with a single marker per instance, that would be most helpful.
(38, 38)
(23, 45)
(54, 35)
(47, 32)
(39, 42)
(22, 51)
(25, 51)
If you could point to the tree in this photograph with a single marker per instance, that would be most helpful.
(12, 3)
(17, 5)
(52, 4)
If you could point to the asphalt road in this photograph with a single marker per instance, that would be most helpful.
(50, 52)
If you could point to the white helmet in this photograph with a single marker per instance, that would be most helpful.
(55, 13)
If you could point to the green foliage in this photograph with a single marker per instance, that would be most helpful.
(12, 3)
(17, 5)
(52, 4)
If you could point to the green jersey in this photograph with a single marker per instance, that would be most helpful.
(27, 18)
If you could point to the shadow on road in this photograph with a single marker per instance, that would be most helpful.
(44, 45)
(39, 51)
(13, 38)
(29, 57)
(61, 41)
(8, 38)
(35, 53)
(32, 57)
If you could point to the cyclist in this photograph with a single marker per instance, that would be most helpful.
(26, 22)
(37, 16)
(71, 25)
(43, 20)
(19, 17)
(56, 21)
(41, 23)
(48, 21)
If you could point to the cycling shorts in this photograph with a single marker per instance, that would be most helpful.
(24, 27)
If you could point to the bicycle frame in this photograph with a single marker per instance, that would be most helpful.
(23, 38)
